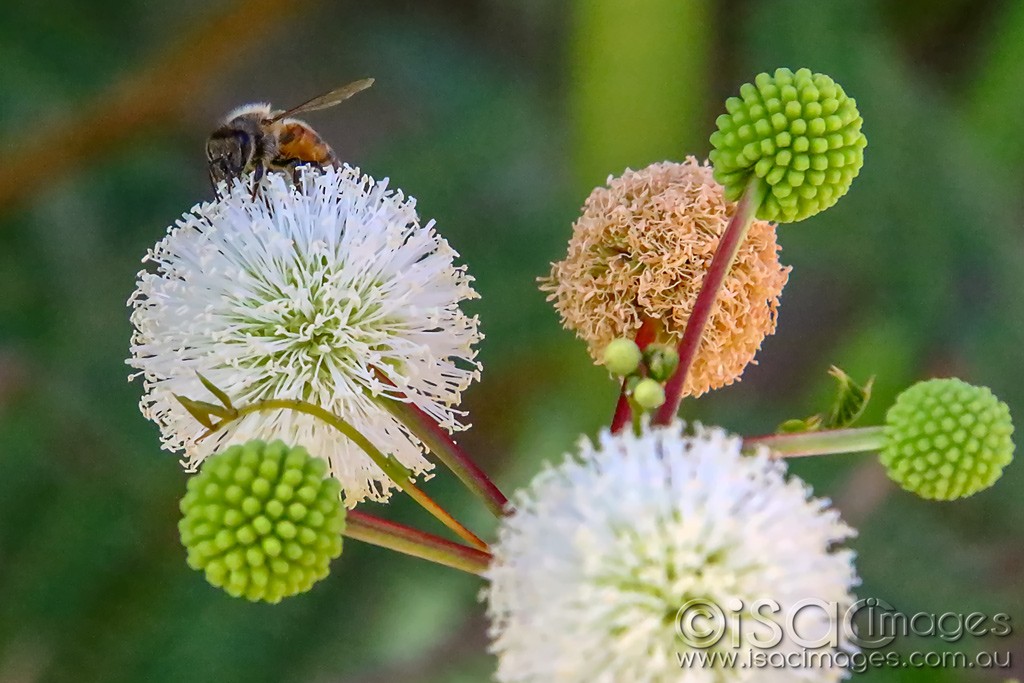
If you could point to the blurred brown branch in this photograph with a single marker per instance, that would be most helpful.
(156, 92)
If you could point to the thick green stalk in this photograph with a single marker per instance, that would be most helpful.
(821, 443)
(640, 85)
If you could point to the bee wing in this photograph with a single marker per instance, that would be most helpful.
(336, 96)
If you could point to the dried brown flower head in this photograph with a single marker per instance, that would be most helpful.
(641, 249)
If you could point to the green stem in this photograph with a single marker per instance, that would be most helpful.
(403, 539)
(391, 467)
(638, 414)
(821, 443)
(441, 444)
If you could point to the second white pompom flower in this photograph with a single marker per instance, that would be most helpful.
(306, 292)
(602, 551)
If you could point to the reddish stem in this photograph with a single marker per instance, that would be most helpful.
(441, 444)
(728, 248)
(404, 539)
(645, 336)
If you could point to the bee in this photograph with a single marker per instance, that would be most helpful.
(255, 138)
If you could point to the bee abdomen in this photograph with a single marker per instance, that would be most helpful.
(298, 143)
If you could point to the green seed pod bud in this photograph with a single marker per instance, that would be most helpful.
(946, 439)
(262, 521)
(661, 361)
(622, 357)
(649, 394)
(799, 133)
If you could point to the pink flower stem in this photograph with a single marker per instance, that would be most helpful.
(728, 248)
(645, 336)
(451, 455)
(403, 539)
(441, 444)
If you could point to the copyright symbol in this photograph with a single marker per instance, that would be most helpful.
(700, 623)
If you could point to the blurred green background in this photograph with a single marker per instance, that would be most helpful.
(499, 116)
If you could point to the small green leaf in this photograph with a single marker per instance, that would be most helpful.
(197, 410)
(216, 391)
(202, 411)
(797, 426)
(851, 400)
(849, 404)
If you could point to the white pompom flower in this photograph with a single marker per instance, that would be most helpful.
(602, 551)
(306, 292)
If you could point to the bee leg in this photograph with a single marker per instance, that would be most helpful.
(296, 173)
(218, 174)
(297, 167)
(257, 176)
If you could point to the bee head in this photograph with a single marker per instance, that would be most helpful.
(230, 152)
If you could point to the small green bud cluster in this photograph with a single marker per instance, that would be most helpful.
(645, 371)
(262, 521)
(622, 357)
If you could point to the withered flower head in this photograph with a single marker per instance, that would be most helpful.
(641, 249)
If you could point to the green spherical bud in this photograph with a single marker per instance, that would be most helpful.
(622, 357)
(661, 361)
(946, 439)
(799, 133)
(649, 394)
(243, 527)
